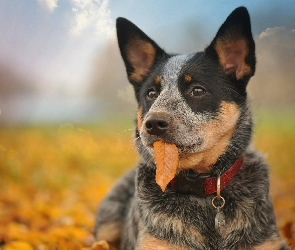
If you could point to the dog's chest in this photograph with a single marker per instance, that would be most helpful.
(188, 221)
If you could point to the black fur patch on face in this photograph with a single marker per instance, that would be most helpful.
(151, 84)
(208, 85)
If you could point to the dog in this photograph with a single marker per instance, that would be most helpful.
(219, 196)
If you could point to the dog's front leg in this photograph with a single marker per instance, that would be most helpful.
(149, 242)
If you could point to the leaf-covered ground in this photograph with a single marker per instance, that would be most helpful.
(52, 179)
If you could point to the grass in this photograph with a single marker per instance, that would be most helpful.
(53, 177)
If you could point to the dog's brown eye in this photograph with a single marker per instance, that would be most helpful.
(198, 91)
(152, 94)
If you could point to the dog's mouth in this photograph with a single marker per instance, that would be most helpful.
(163, 126)
(183, 148)
(168, 158)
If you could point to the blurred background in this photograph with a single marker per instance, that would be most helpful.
(67, 110)
(59, 60)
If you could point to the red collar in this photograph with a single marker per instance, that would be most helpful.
(188, 182)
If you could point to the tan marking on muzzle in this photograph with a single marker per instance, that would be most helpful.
(139, 118)
(218, 133)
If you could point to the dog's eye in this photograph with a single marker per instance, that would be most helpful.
(152, 94)
(198, 91)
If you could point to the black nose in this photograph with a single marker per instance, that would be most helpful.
(156, 125)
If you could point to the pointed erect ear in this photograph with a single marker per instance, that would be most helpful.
(139, 52)
(234, 45)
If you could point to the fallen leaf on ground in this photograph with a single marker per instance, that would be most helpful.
(18, 245)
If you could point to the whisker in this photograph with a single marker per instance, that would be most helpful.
(133, 144)
(136, 139)
(124, 130)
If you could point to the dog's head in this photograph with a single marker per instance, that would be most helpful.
(196, 101)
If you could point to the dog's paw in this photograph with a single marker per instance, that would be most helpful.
(101, 245)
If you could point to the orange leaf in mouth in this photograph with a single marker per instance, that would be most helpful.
(166, 156)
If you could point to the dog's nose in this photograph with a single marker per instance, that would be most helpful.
(156, 125)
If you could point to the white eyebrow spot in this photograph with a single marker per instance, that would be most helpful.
(172, 68)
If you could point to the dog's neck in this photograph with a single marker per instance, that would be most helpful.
(189, 182)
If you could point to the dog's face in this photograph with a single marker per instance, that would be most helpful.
(194, 101)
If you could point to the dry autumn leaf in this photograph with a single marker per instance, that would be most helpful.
(101, 245)
(18, 245)
(166, 156)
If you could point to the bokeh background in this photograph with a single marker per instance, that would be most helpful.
(59, 60)
(67, 109)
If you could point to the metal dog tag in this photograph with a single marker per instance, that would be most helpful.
(220, 223)
(219, 218)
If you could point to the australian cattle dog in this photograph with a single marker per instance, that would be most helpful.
(199, 184)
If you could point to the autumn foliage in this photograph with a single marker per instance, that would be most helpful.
(52, 179)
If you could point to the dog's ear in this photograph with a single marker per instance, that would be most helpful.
(234, 46)
(138, 51)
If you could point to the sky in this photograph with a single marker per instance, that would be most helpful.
(64, 52)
